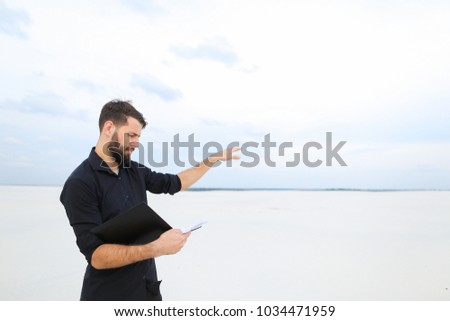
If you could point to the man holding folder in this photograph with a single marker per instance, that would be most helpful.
(107, 184)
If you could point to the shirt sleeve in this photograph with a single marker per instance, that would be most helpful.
(83, 211)
(158, 183)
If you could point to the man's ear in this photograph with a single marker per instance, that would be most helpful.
(109, 128)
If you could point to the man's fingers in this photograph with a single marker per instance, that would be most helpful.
(232, 150)
(229, 153)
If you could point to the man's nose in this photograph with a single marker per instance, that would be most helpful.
(134, 142)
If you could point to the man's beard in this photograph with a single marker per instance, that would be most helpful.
(118, 152)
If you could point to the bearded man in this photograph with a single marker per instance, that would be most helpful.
(108, 183)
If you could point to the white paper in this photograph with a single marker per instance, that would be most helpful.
(193, 227)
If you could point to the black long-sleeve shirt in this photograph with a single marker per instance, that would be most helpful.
(92, 195)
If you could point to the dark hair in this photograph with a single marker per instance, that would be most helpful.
(118, 111)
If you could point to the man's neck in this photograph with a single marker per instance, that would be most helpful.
(107, 159)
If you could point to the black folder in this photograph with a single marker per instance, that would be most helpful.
(138, 225)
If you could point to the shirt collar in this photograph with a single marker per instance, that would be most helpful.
(97, 163)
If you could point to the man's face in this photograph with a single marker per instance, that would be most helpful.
(124, 141)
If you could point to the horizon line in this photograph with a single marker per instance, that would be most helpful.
(205, 189)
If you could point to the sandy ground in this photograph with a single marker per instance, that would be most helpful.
(257, 245)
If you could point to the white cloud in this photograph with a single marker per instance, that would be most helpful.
(372, 73)
(406, 156)
(11, 140)
(216, 50)
(19, 162)
(152, 85)
(12, 21)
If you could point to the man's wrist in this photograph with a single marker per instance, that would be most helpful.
(152, 250)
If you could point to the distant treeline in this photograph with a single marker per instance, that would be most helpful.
(205, 189)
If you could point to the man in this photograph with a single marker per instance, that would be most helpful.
(108, 183)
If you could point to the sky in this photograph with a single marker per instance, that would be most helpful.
(374, 74)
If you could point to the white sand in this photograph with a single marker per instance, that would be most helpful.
(257, 245)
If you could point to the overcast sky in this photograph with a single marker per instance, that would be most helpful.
(375, 74)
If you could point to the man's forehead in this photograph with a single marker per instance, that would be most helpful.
(132, 125)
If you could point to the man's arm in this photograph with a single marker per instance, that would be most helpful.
(108, 256)
(193, 174)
